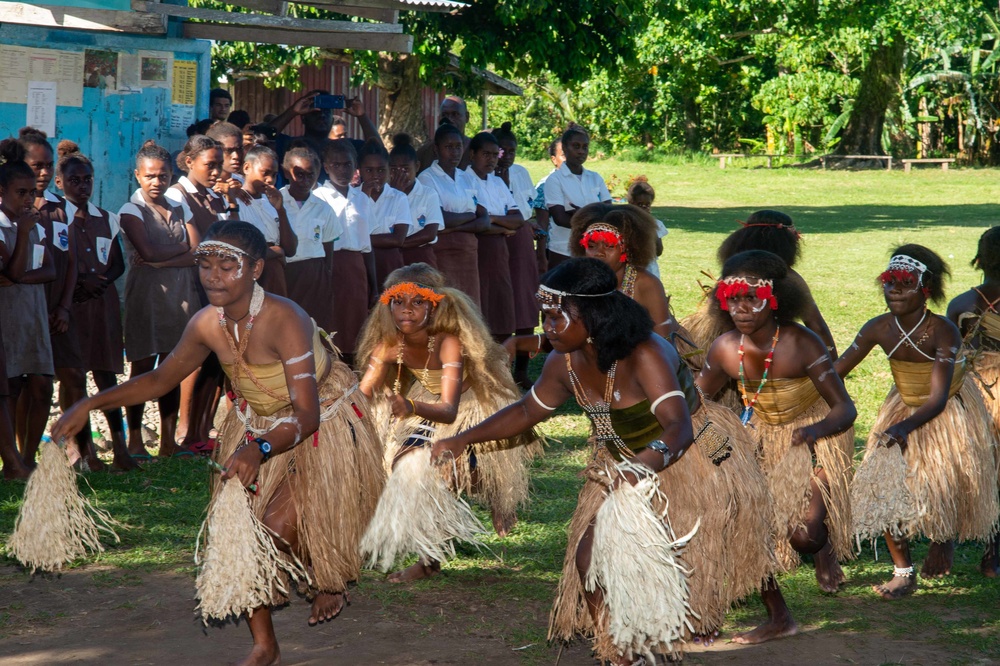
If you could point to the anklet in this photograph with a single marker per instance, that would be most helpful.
(902, 572)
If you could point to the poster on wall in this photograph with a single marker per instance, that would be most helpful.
(100, 69)
(183, 96)
(155, 69)
(20, 64)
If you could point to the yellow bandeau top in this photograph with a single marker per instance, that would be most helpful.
(431, 379)
(272, 376)
(783, 400)
(913, 380)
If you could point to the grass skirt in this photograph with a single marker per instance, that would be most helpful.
(732, 552)
(789, 470)
(950, 468)
(986, 368)
(335, 480)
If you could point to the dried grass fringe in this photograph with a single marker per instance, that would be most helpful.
(789, 470)
(56, 523)
(987, 367)
(951, 467)
(880, 499)
(241, 568)
(418, 513)
(335, 482)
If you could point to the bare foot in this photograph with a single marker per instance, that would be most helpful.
(779, 627)
(990, 564)
(706, 639)
(897, 588)
(829, 575)
(260, 656)
(94, 464)
(939, 559)
(124, 463)
(415, 572)
(504, 524)
(326, 606)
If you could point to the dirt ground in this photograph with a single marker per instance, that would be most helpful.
(107, 616)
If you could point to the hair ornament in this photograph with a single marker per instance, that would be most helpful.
(778, 225)
(740, 286)
(552, 298)
(602, 232)
(411, 289)
(902, 267)
(217, 248)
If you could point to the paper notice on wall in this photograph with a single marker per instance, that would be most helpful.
(13, 64)
(42, 106)
(128, 74)
(155, 69)
(185, 84)
(181, 117)
(65, 68)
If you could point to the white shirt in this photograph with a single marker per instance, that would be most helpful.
(522, 189)
(178, 199)
(564, 188)
(457, 195)
(425, 208)
(654, 267)
(493, 194)
(391, 209)
(354, 212)
(261, 214)
(314, 224)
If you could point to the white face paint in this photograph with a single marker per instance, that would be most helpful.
(760, 309)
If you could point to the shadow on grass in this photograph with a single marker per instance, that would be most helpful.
(836, 219)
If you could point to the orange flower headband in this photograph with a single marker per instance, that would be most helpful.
(411, 289)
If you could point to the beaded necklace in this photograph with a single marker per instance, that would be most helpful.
(628, 280)
(424, 374)
(748, 405)
(599, 413)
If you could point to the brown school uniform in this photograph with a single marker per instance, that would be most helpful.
(24, 317)
(52, 216)
(99, 319)
(202, 209)
(523, 277)
(423, 253)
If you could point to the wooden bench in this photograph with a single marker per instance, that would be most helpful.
(723, 157)
(943, 161)
(887, 158)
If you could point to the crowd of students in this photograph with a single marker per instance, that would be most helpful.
(338, 214)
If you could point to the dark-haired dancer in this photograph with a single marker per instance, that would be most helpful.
(520, 246)
(266, 211)
(977, 316)
(934, 415)
(457, 249)
(296, 403)
(310, 272)
(160, 291)
(96, 310)
(27, 265)
(426, 216)
(390, 210)
(569, 188)
(638, 394)
(798, 408)
(496, 291)
(353, 267)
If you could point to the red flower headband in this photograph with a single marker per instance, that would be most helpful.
(901, 268)
(603, 233)
(738, 286)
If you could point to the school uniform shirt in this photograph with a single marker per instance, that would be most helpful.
(391, 209)
(261, 214)
(493, 194)
(654, 268)
(103, 245)
(564, 188)
(314, 224)
(457, 195)
(60, 229)
(425, 208)
(24, 315)
(354, 212)
(177, 198)
(522, 189)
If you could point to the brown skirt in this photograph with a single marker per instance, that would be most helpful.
(458, 258)
(350, 292)
(66, 352)
(311, 286)
(495, 289)
(416, 255)
(523, 277)
(387, 259)
(99, 332)
(273, 277)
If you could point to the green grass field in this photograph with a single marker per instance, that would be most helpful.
(850, 221)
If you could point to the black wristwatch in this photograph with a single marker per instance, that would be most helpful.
(264, 447)
(660, 447)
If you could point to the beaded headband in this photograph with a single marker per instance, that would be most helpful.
(602, 232)
(411, 289)
(777, 225)
(901, 266)
(740, 286)
(552, 298)
(220, 249)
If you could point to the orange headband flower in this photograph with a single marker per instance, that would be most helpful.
(411, 289)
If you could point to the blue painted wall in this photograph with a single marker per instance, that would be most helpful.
(110, 129)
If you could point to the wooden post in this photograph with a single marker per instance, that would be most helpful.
(486, 106)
